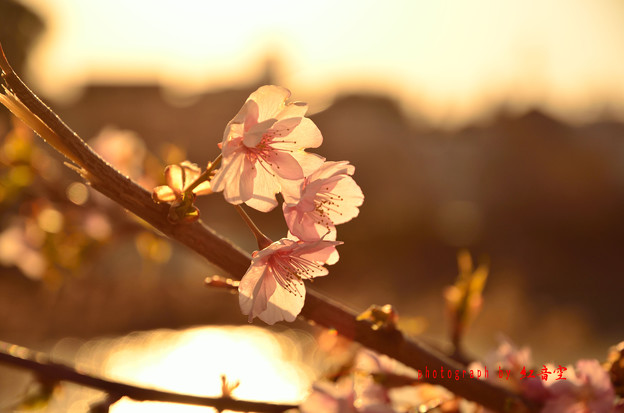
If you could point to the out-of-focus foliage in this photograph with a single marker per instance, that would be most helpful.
(464, 299)
(53, 225)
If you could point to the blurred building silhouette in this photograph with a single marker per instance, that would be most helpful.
(19, 29)
(544, 200)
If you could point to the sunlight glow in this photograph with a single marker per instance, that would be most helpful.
(449, 59)
(192, 362)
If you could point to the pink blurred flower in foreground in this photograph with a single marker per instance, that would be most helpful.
(588, 389)
(20, 246)
(263, 150)
(123, 149)
(272, 288)
(507, 357)
(357, 393)
(329, 197)
(511, 359)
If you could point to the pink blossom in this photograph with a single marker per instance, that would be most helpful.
(123, 149)
(272, 288)
(512, 359)
(589, 389)
(507, 357)
(20, 245)
(329, 197)
(371, 362)
(331, 397)
(357, 393)
(263, 150)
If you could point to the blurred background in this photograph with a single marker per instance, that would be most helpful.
(492, 126)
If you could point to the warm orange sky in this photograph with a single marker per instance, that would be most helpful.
(448, 59)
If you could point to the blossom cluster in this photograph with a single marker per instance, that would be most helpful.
(264, 154)
(583, 387)
(370, 382)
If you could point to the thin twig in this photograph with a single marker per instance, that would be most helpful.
(262, 240)
(203, 240)
(205, 175)
(40, 364)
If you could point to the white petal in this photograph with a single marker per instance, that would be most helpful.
(265, 186)
(293, 110)
(163, 193)
(283, 305)
(255, 289)
(271, 101)
(306, 134)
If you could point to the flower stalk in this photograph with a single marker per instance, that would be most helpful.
(205, 176)
(263, 240)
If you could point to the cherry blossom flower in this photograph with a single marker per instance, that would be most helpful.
(272, 288)
(357, 393)
(123, 149)
(329, 197)
(20, 245)
(331, 397)
(380, 364)
(507, 357)
(263, 150)
(510, 361)
(179, 178)
(589, 389)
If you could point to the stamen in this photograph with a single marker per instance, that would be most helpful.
(292, 270)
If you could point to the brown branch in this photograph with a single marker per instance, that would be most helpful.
(318, 308)
(40, 364)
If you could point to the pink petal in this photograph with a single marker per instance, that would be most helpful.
(291, 190)
(306, 134)
(255, 289)
(246, 116)
(281, 131)
(232, 139)
(322, 251)
(265, 186)
(246, 180)
(174, 176)
(250, 111)
(293, 110)
(227, 178)
(254, 135)
(352, 198)
(163, 193)
(190, 173)
(203, 189)
(261, 296)
(291, 216)
(283, 305)
(309, 162)
(285, 165)
(303, 225)
(270, 100)
(330, 168)
(262, 204)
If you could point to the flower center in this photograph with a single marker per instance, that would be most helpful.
(262, 152)
(324, 204)
(290, 270)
